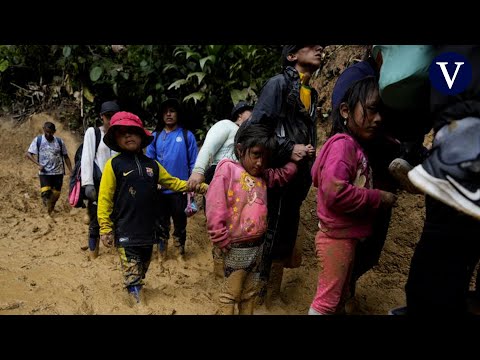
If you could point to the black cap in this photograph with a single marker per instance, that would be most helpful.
(292, 49)
(240, 108)
(289, 49)
(171, 102)
(109, 106)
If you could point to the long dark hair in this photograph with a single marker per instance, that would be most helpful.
(358, 92)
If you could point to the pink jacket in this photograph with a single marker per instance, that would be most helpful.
(346, 202)
(236, 202)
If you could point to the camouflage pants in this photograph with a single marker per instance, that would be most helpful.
(135, 261)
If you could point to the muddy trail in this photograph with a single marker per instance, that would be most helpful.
(43, 269)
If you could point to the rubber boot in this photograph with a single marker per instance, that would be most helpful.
(246, 307)
(226, 309)
(249, 294)
(93, 247)
(231, 291)
(274, 283)
(53, 200)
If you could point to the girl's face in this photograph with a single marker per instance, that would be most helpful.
(129, 138)
(364, 123)
(253, 160)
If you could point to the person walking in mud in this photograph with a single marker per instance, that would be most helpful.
(94, 157)
(236, 211)
(128, 198)
(52, 156)
(175, 148)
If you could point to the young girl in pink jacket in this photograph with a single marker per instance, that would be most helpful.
(236, 211)
(346, 201)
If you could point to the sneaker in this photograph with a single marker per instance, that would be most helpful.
(399, 169)
(402, 310)
(451, 174)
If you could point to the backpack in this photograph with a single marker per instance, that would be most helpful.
(404, 81)
(76, 193)
(39, 142)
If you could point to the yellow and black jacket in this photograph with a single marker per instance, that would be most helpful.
(127, 199)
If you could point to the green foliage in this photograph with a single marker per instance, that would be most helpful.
(208, 79)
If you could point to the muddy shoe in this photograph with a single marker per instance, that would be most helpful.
(399, 169)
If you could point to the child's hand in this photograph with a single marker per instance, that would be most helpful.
(387, 198)
(311, 152)
(299, 152)
(201, 188)
(107, 239)
(195, 180)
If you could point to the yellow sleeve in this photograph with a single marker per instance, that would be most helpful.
(170, 182)
(108, 185)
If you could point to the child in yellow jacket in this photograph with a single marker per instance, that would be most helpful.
(127, 200)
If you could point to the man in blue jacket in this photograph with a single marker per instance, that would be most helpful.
(176, 150)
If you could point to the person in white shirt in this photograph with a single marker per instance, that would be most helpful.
(52, 156)
(218, 144)
(92, 166)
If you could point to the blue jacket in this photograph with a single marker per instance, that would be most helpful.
(170, 151)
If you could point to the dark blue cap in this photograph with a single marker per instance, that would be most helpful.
(109, 106)
(240, 108)
(348, 77)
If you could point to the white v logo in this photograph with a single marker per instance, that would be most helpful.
(446, 75)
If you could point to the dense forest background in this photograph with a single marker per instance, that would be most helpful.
(208, 79)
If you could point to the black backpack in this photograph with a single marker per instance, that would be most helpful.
(76, 178)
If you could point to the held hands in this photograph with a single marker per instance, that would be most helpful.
(387, 198)
(107, 239)
(195, 180)
(90, 192)
(301, 151)
(199, 189)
